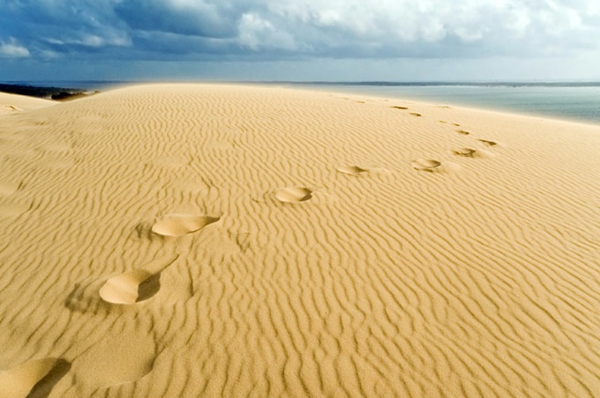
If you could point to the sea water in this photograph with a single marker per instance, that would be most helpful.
(577, 103)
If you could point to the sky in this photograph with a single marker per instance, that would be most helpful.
(300, 40)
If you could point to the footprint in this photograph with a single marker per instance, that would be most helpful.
(117, 289)
(7, 188)
(487, 142)
(293, 194)
(463, 132)
(12, 209)
(117, 359)
(400, 107)
(467, 152)
(416, 114)
(32, 378)
(430, 165)
(181, 224)
(12, 108)
(134, 286)
(352, 170)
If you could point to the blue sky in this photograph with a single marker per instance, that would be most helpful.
(399, 40)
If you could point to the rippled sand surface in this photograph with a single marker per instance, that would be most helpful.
(220, 240)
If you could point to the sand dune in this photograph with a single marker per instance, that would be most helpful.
(144, 242)
(12, 103)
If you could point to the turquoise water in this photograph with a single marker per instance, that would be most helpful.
(572, 103)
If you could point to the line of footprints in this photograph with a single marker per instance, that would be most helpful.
(141, 284)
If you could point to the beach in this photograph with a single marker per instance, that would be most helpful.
(187, 240)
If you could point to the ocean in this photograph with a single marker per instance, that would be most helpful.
(577, 103)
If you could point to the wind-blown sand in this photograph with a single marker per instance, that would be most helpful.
(205, 240)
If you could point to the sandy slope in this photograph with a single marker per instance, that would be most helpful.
(11, 103)
(198, 240)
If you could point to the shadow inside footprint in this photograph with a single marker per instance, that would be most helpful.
(34, 378)
(430, 165)
(400, 107)
(181, 224)
(43, 387)
(293, 194)
(352, 170)
(130, 287)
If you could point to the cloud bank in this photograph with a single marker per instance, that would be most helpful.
(296, 29)
(11, 49)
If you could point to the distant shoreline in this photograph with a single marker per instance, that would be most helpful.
(82, 85)
(54, 93)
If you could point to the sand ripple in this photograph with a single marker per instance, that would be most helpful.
(462, 278)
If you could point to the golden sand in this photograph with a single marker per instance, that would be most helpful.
(206, 240)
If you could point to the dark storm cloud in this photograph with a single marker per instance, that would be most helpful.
(272, 29)
(194, 18)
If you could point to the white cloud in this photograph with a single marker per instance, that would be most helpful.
(93, 40)
(256, 33)
(410, 21)
(13, 50)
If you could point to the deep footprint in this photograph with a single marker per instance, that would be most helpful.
(426, 165)
(181, 224)
(487, 142)
(352, 170)
(120, 358)
(135, 286)
(466, 152)
(32, 378)
(7, 188)
(294, 194)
